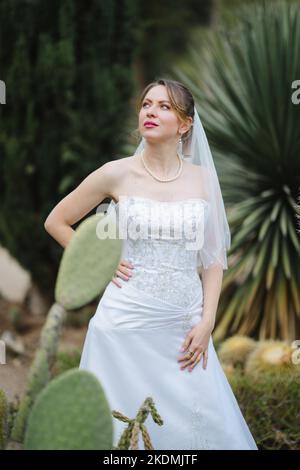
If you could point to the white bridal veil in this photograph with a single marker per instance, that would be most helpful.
(217, 238)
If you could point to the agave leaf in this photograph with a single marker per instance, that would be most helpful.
(283, 222)
(276, 210)
(270, 275)
(275, 248)
(262, 258)
(283, 306)
(252, 126)
(296, 295)
(286, 259)
(292, 234)
(256, 215)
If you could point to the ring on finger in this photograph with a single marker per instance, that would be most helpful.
(194, 363)
(191, 353)
(198, 358)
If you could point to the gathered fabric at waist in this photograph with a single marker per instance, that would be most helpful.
(177, 287)
(128, 307)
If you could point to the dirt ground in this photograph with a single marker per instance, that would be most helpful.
(13, 374)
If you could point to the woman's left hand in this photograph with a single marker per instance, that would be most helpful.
(196, 341)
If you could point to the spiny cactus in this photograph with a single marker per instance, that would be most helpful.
(130, 436)
(272, 356)
(234, 350)
(3, 419)
(87, 265)
(71, 413)
(146, 437)
(88, 262)
(39, 374)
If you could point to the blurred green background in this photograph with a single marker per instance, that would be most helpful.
(73, 71)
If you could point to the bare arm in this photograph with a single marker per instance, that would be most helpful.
(90, 192)
(212, 284)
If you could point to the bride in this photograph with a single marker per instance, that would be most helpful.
(152, 336)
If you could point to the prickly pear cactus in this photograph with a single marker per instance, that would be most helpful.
(71, 413)
(39, 374)
(89, 261)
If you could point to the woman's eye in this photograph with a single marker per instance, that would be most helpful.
(162, 105)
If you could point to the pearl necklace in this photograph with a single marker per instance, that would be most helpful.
(159, 179)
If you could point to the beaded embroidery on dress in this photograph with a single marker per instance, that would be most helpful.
(162, 264)
(133, 340)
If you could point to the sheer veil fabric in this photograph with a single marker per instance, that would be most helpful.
(217, 237)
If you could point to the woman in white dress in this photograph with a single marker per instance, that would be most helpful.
(134, 340)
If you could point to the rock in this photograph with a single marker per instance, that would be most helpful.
(12, 342)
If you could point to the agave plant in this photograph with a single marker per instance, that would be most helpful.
(245, 101)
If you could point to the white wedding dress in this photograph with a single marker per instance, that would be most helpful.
(133, 341)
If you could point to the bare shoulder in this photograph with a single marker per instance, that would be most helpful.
(114, 168)
(115, 173)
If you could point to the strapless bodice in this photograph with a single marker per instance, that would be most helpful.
(162, 239)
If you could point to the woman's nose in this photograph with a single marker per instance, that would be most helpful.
(151, 111)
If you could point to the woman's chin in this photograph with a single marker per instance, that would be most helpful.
(153, 139)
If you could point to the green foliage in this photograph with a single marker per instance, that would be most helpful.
(66, 360)
(167, 27)
(265, 378)
(69, 77)
(71, 413)
(80, 317)
(270, 405)
(245, 98)
(4, 410)
(16, 317)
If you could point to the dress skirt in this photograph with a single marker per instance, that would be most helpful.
(133, 344)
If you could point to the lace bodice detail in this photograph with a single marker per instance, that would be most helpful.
(160, 240)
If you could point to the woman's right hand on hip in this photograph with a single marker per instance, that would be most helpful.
(123, 271)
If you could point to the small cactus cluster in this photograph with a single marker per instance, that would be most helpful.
(256, 357)
(130, 436)
(271, 356)
(234, 350)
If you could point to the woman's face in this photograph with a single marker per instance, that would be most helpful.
(156, 107)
